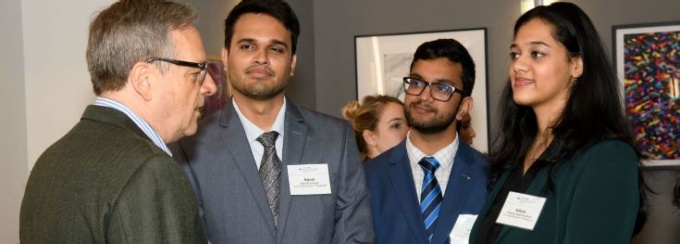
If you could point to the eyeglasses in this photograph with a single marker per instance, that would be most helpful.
(202, 66)
(439, 91)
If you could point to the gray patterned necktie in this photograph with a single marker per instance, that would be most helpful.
(270, 171)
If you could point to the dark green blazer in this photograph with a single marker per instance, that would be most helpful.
(106, 182)
(596, 199)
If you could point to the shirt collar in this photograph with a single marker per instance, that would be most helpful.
(141, 123)
(444, 156)
(253, 132)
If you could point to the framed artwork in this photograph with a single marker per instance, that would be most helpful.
(647, 59)
(383, 60)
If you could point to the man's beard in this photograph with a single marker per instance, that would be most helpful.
(260, 91)
(437, 125)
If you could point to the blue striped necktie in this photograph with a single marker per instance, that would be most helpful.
(430, 195)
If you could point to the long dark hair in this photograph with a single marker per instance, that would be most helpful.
(592, 113)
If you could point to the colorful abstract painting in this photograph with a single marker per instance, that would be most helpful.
(651, 83)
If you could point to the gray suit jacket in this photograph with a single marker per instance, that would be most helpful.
(106, 182)
(231, 197)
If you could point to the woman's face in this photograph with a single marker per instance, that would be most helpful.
(541, 71)
(391, 128)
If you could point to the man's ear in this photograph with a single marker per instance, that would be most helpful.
(292, 65)
(141, 79)
(464, 107)
(225, 57)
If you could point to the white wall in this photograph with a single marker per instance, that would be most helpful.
(44, 87)
(57, 82)
(12, 121)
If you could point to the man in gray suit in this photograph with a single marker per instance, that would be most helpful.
(112, 179)
(264, 169)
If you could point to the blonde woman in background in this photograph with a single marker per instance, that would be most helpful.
(379, 124)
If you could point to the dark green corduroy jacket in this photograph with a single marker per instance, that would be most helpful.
(596, 200)
(106, 182)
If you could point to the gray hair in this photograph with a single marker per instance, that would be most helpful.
(130, 31)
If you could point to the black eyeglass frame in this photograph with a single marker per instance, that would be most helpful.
(407, 83)
(202, 66)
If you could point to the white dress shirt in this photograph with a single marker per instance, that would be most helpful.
(253, 132)
(444, 156)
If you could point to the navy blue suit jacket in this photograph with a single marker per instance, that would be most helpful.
(396, 209)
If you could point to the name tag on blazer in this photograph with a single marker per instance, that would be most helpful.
(521, 210)
(309, 179)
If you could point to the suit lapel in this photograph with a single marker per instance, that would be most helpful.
(456, 193)
(535, 189)
(293, 149)
(493, 195)
(485, 209)
(401, 177)
(238, 148)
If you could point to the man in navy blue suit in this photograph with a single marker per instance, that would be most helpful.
(430, 187)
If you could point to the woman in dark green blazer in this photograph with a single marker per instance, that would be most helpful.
(564, 168)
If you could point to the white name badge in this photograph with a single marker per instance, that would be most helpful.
(309, 179)
(461, 231)
(521, 210)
